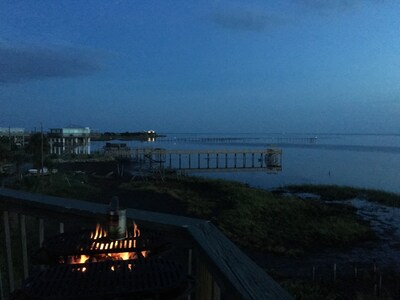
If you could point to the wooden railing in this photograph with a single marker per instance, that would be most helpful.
(221, 270)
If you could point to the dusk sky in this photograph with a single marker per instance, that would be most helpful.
(201, 66)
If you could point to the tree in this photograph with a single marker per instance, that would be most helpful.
(4, 149)
(37, 141)
(7, 149)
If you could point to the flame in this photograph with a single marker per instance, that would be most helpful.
(101, 233)
(98, 233)
(98, 244)
(136, 231)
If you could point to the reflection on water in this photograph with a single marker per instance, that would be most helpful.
(368, 161)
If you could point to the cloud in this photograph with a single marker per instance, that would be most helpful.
(19, 62)
(244, 20)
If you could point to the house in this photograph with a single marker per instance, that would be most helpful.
(69, 140)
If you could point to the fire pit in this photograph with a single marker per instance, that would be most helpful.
(117, 263)
(96, 246)
(151, 278)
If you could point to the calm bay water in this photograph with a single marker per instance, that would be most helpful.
(367, 161)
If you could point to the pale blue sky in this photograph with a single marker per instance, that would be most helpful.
(202, 66)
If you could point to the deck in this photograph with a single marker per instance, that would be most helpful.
(221, 270)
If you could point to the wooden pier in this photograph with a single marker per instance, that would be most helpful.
(269, 160)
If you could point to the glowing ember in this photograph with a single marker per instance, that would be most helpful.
(78, 259)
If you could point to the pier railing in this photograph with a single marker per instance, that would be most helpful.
(269, 160)
(220, 269)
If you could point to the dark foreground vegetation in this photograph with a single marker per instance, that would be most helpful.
(253, 218)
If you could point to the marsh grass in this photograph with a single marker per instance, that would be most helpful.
(61, 184)
(258, 219)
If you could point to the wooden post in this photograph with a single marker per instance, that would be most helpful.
(217, 160)
(198, 161)
(8, 250)
(190, 262)
(61, 227)
(235, 161)
(226, 160)
(313, 273)
(252, 160)
(180, 161)
(208, 160)
(334, 272)
(204, 282)
(244, 160)
(1, 287)
(24, 246)
(189, 162)
(41, 232)
(216, 291)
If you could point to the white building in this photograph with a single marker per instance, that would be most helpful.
(69, 140)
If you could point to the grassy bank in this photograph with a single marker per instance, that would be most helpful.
(260, 220)
(334, 192)
(75, 186)
(251, 217)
